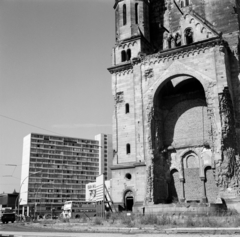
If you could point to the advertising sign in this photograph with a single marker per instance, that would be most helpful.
(91, 192)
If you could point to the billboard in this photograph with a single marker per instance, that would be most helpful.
(95, 190)
(91, 192)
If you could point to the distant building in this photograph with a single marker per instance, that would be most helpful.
(105, 154)
(56, 169)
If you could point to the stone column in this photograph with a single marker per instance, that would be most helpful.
(183, 190)
(27, 210)
(204, 197)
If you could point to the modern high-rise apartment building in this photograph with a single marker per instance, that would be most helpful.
(105, 154)
(56, 169)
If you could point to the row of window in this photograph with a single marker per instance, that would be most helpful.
(126, 55)
(185, 3)
(61, 201)
(45, 158)
(67, 140)
(176, 41)
(125, 13)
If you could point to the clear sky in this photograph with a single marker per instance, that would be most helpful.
(54, 56)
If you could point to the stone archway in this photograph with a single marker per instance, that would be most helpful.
(182, 71)
(192, 182)
(174, 186)
(180, 120)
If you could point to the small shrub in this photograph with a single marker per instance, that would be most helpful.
(208, 222)
(113, 217)
(128, 220)
(236, 221)
(190, 222)
(175, 200)
(84, 219)
(164, 220)
(98, 221)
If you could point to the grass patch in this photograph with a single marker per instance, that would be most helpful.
(149, 219)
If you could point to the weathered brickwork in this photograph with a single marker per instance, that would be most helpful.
(176, 84)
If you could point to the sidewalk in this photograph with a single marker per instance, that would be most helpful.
(73, 228)
(67, 227)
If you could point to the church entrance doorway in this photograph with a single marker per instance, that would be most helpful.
(129, 200)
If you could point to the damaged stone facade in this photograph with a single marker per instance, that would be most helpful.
(176, 84)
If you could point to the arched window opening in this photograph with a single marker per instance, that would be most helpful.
(178, 40)
(128, 54)
(173, 43)
(187, 2)
(123, 54)
(136, 13)
(127, 108)
(128, 149)
(189, 36)
(169, 41)
(124, 14)
(182, 4)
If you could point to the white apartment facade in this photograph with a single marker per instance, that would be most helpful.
(56, 169)
(105, 154)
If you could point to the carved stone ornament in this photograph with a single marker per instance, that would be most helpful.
(136, 60)
(148, 73)
(119, 97)
(227, 170)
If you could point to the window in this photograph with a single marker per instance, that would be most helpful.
(124, 14)
(126, 108)
(189, 36)
(128, 176)
(185, 3)
(178, 40)
(124, 56)
(128, 149)
(128, 54)
(169, 43)
(136, 13)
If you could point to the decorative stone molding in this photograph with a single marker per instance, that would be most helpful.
(125, 72)
(126, 44)
(129, 166)
(183, 51)
(123, 67)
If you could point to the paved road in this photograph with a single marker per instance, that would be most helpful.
(48, 234)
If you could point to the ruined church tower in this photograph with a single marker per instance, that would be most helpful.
(176, 85)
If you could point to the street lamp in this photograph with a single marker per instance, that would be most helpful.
(35, 209)
(21, 187)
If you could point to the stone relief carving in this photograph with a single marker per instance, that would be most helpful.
(148, 73)
(149, 196)
(227, 169)
(215, 142)
(119, 97)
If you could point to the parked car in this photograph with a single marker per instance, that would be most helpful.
(6, 217)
